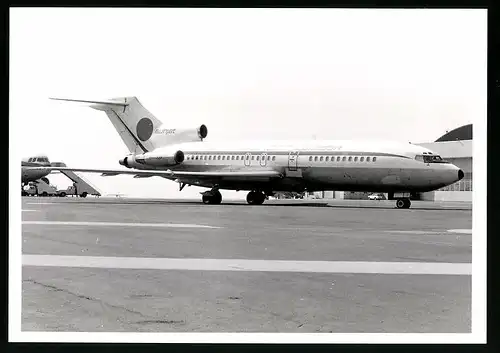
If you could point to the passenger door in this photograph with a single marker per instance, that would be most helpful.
(292, 160)
(263, 159)
(247, 159)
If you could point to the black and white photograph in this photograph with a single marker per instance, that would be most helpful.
(247, 175)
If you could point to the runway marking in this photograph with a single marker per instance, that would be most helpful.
(463, 231)
(42, 203)
(30, 210)
(249, 265)
(431, 232)
(115, 224)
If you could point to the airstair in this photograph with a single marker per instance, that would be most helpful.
(81, 187)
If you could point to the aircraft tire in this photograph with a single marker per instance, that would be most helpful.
(255, 198)
(214, 199)
(217, 198)
(205, 199)
(400, 203)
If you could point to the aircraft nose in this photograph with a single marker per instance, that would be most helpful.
(460, 174)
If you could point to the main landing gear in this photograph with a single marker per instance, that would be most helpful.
(256, 198)
(403, 203)
(212, 197)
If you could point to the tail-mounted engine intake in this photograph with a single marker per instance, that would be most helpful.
(202, 131)
(187, 134)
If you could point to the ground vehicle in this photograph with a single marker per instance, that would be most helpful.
(40, 187)
(375, 197)
(81, 189)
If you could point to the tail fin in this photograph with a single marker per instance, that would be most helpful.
(134, 123)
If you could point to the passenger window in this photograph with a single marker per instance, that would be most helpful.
(316, 158)
(361, 159)
(196, 157)
(268, 158)
(367, 159)
(355, 159)
(274, 158)
(327, 159)
(310, 158)
(218, 157)
(338, 159)
(253, 157)
(374, 159)
(350, 159)
(258, 157)
(343, 159)
(321, 159)
(232, 158)
(237, 158)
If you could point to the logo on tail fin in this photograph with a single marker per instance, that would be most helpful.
(144, 129)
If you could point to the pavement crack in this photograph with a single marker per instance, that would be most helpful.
(82, 296)
(160, 322)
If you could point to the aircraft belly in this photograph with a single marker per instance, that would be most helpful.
(369, 177)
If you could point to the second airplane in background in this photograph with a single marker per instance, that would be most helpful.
(266, 167)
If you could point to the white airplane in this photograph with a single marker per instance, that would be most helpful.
(34, 168)
(266, 167)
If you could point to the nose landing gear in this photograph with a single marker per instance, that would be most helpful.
(403, 203)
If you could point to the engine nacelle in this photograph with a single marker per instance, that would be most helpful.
(161, 158)
(130, 162)
(190, 134)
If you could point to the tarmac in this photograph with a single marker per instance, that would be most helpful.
(135, 265)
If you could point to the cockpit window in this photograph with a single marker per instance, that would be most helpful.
(430, 158)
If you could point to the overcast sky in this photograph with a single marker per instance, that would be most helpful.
(406, 75)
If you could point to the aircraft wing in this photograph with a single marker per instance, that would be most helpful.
(169, 174)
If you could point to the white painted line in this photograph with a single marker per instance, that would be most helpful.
(43, 203)
(249, 265)
(29, 210)
(462, 231)
(422, 232)
(431, 232)
(115, 224)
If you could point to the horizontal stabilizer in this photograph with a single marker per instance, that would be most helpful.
(122, 104)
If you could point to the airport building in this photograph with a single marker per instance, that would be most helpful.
(456, 147)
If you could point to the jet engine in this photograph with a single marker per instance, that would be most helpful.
(190, 134)
(160, 158)
(130, 162)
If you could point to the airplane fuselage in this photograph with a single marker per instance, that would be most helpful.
(314, 165)
(33, 171)
(183, 155)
